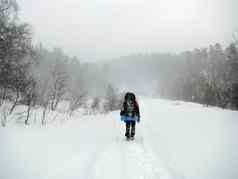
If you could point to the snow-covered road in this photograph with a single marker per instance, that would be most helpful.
(173, 140)
(129, 160)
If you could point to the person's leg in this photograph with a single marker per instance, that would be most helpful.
(133, 128)
(127, 134)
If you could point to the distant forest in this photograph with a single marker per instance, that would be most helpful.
(207, 76)
(35, 76)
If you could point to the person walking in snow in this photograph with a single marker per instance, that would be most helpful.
(130, 114)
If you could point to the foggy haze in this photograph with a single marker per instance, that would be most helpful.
(104, 29)
(66, 68)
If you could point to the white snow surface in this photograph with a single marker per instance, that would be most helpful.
(173, 140)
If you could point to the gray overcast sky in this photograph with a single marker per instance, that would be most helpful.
(96, 29)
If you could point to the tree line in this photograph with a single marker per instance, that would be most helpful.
(208, 75)
(37, 77)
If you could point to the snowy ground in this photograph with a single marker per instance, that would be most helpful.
(173, 140)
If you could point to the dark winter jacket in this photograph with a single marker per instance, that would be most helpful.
(130, 109)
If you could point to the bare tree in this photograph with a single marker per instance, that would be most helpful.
(30, 98)
(76, 101)
(15, 46)
(111, 99)
(95, 104)
(4, 114)
(59, 78)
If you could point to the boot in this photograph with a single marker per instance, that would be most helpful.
(127, 134)
(133, 128)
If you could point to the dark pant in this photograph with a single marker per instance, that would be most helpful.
(130, 128)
